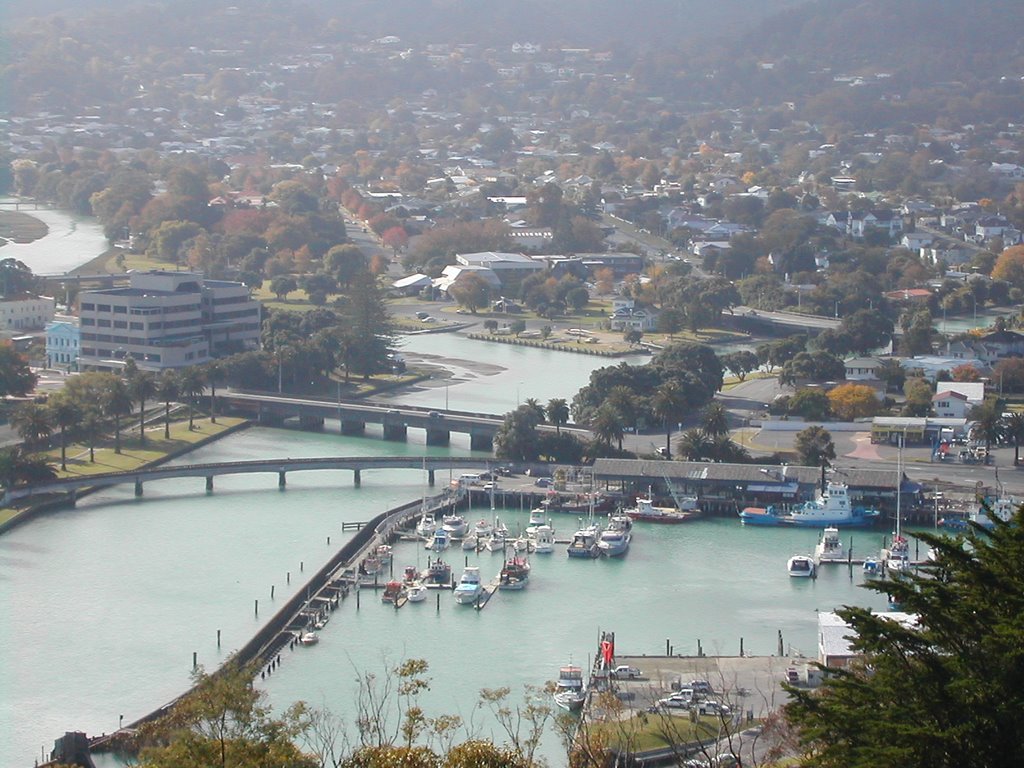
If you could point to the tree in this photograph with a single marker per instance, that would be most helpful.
(167, 391)
(368, 324)
(17, 466)
(471, 291)
(557, 412)
(191, 385)
(1013, 429)
(16, 278)
(853, 401)
(810, 404)
(1009, 267)
(517, 327)
(344, 262)
(741, 363)
(694, 444)
(941, 690)
(34, 424)
(282, 285)
(65, 414)
(714, 420)
(142, 386)
(814, 447)
(224, 721)
(918, 393)
(16, 378)
(670, 404)
(90, 428)
(117, 402)
(395, 238)
(988, 422)
(607, 426)
(516, 438)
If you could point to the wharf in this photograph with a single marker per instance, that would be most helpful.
(487, 594)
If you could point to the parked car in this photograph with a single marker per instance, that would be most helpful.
(678, 700)
(710, 707)
(542, 482)
(701, 686)
(625, 672)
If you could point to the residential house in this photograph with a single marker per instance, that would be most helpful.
(997, 345)
(626, 316)
(950, 405)
(862, 368)
(930, 366)
(860, 223)
(504, 265)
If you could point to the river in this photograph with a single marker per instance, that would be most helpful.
(71, 241)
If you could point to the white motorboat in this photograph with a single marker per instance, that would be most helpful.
(543, 540)
(440, 542)
(584, 543)
(470, 542)
(483, 529)
(416, 592)
(801, 566)
(538, 517)
(570, 693)
(614, 542)
(426, 526)
(469, 588)
(829, 548)
(456, 525)
(309, 638)
(499, 537)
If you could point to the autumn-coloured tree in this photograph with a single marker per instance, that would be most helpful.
(965, 372)
(395, 238)
(1010, 266)
(853, 401)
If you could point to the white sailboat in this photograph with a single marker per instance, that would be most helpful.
(896, 557)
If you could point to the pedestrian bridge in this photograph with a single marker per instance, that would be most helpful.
(281, 467)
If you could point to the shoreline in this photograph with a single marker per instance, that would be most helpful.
(33, 511)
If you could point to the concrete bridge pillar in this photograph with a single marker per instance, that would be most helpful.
(481, 441)
(395, 432)
(352, 427)
(430, 478)
(280, 479)
(438, 437)
(73, 497)
(357, 479)
(138, 487)
(311, 422)
(209, 483)
(272, 419)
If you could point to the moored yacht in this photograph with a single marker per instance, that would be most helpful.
(469, 588)
(614, 540)
(570, 692)
(801, 566)
(515, 574)
(543, 540)
(440, 542)
(829, 548)
(426, 526)
(455, 525)
(584, 543)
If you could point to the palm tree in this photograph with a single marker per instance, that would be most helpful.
(1013, 428)
(715, 420)
(142, 386)
(558, 413)
(214, 372)
(16, 466)
(534, 405)
(606, 424)
(117, 402)
(624, 400)
(90, 428)
(167, 390)
(65, 414)
(670, 405)
(988, 423)
(191, 386)
(33, 423)
(695, 444)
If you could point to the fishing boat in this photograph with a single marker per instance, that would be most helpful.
(410, 574)
(384, 553)
(469, 587)
(801, 566)
(470, 542)
(584, 543)
(988, 510)
(483, 529)
(440, 542)
(393, 590)
(426, 526)
(832, 507)
(543, 540)
(829, 548)
(645, 511)
(455, 525)
(309, 638)
(515, 574)
(439, 572)
(416, 592)
(370, 568)
(579, 503)
(570, 693)
(614, 539)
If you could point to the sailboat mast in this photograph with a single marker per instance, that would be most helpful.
(899, 480)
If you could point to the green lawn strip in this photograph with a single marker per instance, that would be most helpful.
(645, 732)
(133, 455)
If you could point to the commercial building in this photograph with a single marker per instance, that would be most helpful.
(63, 343)
(26, 312)
(166, 320)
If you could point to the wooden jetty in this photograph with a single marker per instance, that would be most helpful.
(487, 594)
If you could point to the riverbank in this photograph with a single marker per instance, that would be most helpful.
(158, 450)
(20, 227)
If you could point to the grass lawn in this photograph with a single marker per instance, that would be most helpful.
(133, 455)
(654, 731)
(21, 227)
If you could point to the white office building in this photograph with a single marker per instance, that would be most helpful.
(166, 320)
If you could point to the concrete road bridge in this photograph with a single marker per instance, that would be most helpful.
(396, 420)
(281, 467)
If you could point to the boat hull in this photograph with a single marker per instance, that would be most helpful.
(757, 516)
